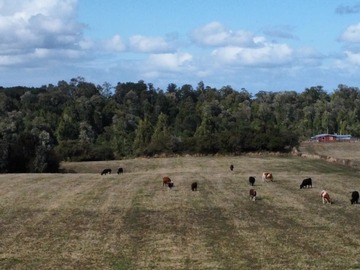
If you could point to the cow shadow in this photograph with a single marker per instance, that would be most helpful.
(256, 200)
(255, 185)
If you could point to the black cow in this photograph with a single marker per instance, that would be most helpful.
(354, 197)
(231, 167)
(120, 170)
(106, 171)
(194, 186)
(252, 180)
(306, 183)
(170, 185)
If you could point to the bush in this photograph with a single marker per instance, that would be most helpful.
(99, 152)
(75, 151)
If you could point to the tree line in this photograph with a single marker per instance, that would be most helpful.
(81, 121)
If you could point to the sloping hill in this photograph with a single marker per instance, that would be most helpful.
(129, 221)
(345, 150)
(346, 153)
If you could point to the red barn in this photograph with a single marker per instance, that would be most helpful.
(330, 138)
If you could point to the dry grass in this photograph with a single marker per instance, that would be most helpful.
(343, 150)
(129, 221)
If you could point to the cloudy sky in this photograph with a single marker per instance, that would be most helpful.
(259, 45)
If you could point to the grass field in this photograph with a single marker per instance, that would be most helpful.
(87, 221)
(343, 150)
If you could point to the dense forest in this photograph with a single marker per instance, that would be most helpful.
(81, 121)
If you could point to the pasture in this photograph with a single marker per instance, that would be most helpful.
(85, 220)
(343, 150)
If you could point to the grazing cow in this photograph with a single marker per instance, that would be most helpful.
(306, 183)
(231, 167)
(325, 197)
(194, 186)
(171, 185)
(120, 170)
(354, 197)
(252, 194)
(252, 180)
(106, 171)
(266, 176)
(166, 181)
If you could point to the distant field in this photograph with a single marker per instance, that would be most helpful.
(87, 221)
(344, 150)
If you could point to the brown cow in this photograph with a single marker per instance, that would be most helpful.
(266, 176)
(325, 197)
(231, 167)
(166, 181)
(252, 194)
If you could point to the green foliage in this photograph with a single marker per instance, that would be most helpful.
(77, 120)
(98, 152)
(72, 150)
(27, 152)
(142, 136)
(161, 138)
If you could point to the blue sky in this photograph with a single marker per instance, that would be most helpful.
(267, 45)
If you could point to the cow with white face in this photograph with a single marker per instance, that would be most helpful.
(166, 180)
(268, 177)
(252, 194)
(325, 197)
(170, 185)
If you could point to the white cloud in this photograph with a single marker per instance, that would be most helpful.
(170, 61)
(268, 54)
(351, 34)
(169, 67)
(241, 48)
(353, 58)
(31, 28)
(215, 34)
(39, 57)
(46, 35)
(86, 44)
(6, 60)
(145, 44)
(115, 44)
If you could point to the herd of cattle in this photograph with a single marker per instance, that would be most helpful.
(266, 177)
(306, 183)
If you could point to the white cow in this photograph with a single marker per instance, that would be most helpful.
(325, 197)
(266, 176)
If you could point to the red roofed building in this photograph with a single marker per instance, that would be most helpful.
(331, 138)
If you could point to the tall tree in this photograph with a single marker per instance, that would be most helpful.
(161, 137)
(142, 136)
